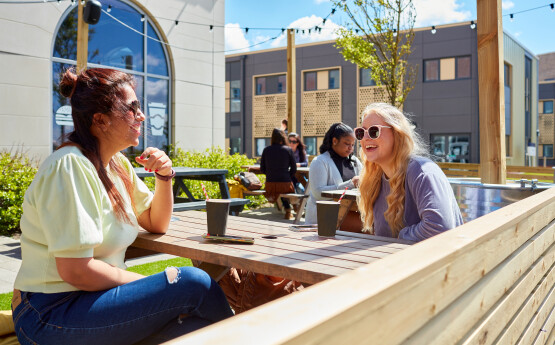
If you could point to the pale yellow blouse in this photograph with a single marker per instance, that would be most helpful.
(67, 213)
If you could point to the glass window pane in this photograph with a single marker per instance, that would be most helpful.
(548, 150)
(282, 84)
(366, 78)
(234, 145)
(431, 68)
(260, 144)
(261, 86)
(463, 67)
(61, 110)
(310, 81)
(334, 79)
(548, 107)
(155, 58)
(127, 50)
(458, 148)
(157, 113)
(65, 45)
(311, 148)
(507, 75)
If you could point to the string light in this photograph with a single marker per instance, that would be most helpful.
(246, 30)
(434, 30)
(552, 7)
(142, 17)
(176, 22)
(109, 8)
(472, 25)
(512, 17)
(211, 28)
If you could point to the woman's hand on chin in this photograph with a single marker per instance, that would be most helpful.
(155, 160)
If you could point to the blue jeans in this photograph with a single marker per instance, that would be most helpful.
(146, 310)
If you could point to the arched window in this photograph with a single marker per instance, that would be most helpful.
(113, 45)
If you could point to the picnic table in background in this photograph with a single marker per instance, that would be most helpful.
(301, 174)
(277, 250)
(348, 203)
(295, 199)
(202, 174)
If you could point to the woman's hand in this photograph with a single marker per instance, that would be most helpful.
(356, 181)
(155, 160)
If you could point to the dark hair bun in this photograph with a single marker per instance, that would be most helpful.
(68, 83)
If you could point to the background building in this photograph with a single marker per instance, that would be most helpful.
(180, 84)
(444, 101)
(547, 96)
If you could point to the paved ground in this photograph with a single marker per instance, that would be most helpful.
(10, 251)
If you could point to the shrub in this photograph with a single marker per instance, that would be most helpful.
(17, 174)
(212, 158)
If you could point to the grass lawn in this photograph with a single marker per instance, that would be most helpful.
(144, 269)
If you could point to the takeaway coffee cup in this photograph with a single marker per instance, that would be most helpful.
(327, 212)
(217, 211)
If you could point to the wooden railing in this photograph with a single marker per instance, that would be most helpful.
(489, 281)
(513, 172)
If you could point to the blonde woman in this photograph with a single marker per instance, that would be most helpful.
(402, 193)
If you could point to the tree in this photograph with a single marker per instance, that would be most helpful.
(380, 38)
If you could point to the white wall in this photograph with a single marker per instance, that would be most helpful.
(26, 69)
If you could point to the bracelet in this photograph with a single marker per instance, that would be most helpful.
(165, 178)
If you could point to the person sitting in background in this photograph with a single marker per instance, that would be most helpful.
(334, 168)
(284, 125)
(299, 151)
(81, 212)
(402, 193)
(278, 163)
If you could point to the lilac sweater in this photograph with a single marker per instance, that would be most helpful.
(430, 205)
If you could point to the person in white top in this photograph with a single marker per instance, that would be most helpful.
(335, 168)
(81, 212)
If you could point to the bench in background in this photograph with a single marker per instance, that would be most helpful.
(294, 199)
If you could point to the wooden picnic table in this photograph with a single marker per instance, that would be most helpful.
(277, 250)
(348, 203)
(202, 174)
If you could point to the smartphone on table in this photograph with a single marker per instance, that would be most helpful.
(229, 239)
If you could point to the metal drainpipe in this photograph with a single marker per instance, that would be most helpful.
(243, 115)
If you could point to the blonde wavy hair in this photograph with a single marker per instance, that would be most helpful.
(406, 144)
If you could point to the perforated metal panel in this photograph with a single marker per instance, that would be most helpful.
(268, 111)
(367, 95)
(547, 129)
(320, 109)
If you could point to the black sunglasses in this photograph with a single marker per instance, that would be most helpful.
(374, 131)
(293, 141)
(134, 106)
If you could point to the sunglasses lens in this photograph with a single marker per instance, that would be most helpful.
(359, 133)
(374, 132)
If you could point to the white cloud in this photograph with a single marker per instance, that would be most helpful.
(235, 39)
(507, 5)
(434, 12)
(306, 23)
(318, 2)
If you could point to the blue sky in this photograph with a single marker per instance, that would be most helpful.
(533, 29)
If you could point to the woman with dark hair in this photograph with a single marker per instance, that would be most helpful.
(334, 168)
(278, 163)
(299, 151)
(81, 212)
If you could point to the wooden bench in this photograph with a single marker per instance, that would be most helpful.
(294, 199)
(489, 281)
(236, 205)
